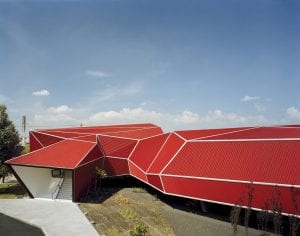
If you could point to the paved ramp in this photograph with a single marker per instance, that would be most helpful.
(53, 217)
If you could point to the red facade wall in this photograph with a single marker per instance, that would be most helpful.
(34, 144)
(116, 166)
(84, 178)
(45, 139)
(229, 192)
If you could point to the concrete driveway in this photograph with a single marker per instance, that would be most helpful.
(55, 218)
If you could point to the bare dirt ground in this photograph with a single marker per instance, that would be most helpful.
(117, 213)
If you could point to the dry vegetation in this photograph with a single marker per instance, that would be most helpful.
(128, 210)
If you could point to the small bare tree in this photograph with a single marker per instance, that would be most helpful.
(294, 221)
(235, 215)
(277, 212)
(263, 217)
(249, 206)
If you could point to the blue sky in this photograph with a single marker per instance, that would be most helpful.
(179, 64)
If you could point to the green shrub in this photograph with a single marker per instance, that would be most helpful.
(138, 229)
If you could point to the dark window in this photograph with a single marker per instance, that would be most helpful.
(57, 173)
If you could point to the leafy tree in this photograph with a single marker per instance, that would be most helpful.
(9, 139)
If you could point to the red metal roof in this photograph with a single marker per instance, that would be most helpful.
(101, 129)
(64, 154)
(256, 161)
(68, 146)
(196, 134)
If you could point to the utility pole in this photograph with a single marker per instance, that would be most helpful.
(23, 129)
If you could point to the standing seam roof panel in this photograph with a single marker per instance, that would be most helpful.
(263, 161)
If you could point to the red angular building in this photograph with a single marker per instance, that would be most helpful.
(213, 165)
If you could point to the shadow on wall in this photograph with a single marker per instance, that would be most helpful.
(12, 226)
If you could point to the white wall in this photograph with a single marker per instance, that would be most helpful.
(38, 180)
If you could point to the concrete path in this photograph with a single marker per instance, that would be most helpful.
(55, 218)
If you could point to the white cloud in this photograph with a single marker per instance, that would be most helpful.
(186, 119)
(53, 117)
(50, 120)
(217, 117)
(98, 74)
(126, 115)
(42, 92)
(249, 98)
(60, 109)
(256, 101)
(293, 113)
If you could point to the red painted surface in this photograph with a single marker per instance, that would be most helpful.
(34, 143)
(64, 134)
(138, 134)
(228, 193)
(155, 181)
(90, 138)
(65, 154)
(115, 166)
(262, 133)
(45, 139)
(84, 177)
(94, 153)
(115, 146)
(135, 171)
(196, 134)
(146, 150)
(263, 161)
(212, 168)
(169, 149)
(103, 129)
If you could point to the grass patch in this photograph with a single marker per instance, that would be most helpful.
(5, 186)
(7, 196)
(121, 199)
(11, 190)
(129, 214)
(112, 232)
(139, 190)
